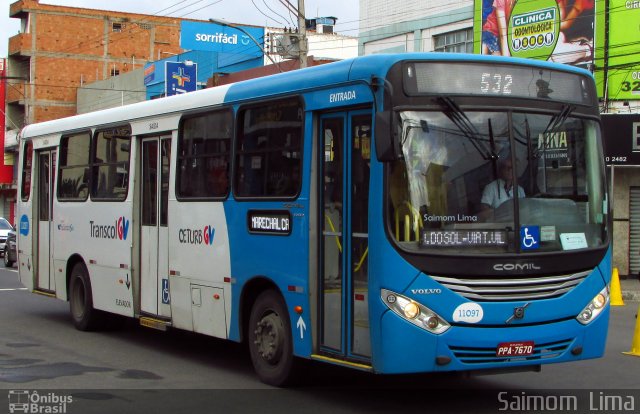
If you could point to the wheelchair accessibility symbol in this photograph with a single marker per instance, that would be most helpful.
(529, 237)
(166, 297)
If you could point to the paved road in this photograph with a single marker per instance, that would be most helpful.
(134, 369)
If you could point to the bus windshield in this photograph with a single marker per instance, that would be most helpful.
(497, 182)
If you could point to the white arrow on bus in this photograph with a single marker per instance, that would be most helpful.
(301, 325)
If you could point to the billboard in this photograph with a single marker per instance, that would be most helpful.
(213, 37)
(555, 30)
(624, 47)
(180, 77)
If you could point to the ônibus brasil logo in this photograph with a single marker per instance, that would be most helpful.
(197, 236)
(118, 230)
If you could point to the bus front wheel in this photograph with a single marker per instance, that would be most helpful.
(85, 317)
(270, 341)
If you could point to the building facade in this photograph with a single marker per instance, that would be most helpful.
(7, 197)
(394, 26)
(61, 48)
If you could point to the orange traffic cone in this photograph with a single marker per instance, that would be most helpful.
(635, 343)
(616, 291)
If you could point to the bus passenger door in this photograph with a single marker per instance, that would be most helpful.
(154, 234)
(46, 163)
(343, 219)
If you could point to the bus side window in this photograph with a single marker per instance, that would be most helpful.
(111, 164)
(284, 175)
(74, 174)
(269, 149)
(203, 155)
(26, 170)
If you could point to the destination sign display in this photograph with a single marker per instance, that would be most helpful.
(462, 238)
(500, 80)
(269, 222)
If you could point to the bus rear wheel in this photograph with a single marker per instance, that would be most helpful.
(85, 317)
(270, 341)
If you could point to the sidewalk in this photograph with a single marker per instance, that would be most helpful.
(630, 288)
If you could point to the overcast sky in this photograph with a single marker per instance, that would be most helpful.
(271, 13)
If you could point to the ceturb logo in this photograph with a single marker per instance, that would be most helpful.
(197, 236)
(119, 230)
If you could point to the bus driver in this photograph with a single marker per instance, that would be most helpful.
(501, 189)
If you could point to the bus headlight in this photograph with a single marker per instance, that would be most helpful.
(594, 307)
(414, 312)
(411, 310)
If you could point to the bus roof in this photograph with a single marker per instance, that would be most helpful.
(359, 68)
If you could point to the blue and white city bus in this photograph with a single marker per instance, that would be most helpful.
(391, 213)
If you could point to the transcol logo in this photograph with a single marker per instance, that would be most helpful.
(123, 228)
(119, 230)
(197, 236)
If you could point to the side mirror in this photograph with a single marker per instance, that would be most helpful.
(385, 134)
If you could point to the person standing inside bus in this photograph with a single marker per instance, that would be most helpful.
(501, 189)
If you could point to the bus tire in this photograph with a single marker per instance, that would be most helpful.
(270, 340)
(85, 317)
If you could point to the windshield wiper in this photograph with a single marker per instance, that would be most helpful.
(464, 124)
(559, 118)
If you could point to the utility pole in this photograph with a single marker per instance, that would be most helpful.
(302, 28)
(605, 72)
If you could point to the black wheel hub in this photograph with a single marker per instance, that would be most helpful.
(269, 334)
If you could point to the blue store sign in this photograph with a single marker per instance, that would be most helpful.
(180, 77)
(217, 38)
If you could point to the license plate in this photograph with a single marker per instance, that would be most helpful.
(516, 349)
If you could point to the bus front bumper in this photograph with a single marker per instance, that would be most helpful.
(405, 348)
